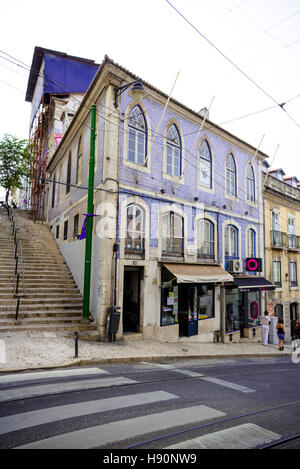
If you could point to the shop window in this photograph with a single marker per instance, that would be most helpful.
(172, 235)
(253, 309)
(233, 309)
(137, 140)
(135, 233)
(169, 299)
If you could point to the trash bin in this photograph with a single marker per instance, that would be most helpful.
(114, 321)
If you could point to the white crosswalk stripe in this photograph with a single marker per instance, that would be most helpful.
(21, 421)
(227, 384)
(56, 388)
(131, 428)
(243, 436)
(63, 373)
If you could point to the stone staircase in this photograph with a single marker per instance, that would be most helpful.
(52, 301)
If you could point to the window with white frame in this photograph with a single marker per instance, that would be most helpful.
(231, 176)
(79, 160)
(137, 136)
(251, 248)
(205, 165)
(69, 169)
(206, 240)
(135, 230)
(250, 183)
(292, 231)
(293, 273)
(173, 152)
(172, 234)
(277, 273)
(231, 241)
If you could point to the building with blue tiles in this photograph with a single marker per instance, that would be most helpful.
(178, 240)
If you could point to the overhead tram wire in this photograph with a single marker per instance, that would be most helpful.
(231, 62)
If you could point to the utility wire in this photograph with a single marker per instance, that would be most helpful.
(231, 62)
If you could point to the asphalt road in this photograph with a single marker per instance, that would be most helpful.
(182, 405)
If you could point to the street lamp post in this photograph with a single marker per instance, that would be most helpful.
(89, 219)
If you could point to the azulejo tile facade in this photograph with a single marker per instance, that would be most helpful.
(179, 208)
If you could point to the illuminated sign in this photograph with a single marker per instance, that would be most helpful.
(253, 264)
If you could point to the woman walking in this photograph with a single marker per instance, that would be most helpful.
(280, 332)
(265, 323)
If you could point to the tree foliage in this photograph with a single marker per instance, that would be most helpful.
(14, 162)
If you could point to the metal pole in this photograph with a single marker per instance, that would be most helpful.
(89, 219)
(76, 345)
(18, 306)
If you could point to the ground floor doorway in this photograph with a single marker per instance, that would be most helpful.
(294, 315)
(131, 299)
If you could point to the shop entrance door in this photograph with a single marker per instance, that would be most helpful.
(293, 316)
(131, 300)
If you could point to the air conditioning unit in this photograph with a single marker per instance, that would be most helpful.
(235, 266)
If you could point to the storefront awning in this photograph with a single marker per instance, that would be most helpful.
(194, 273)
(248, 282)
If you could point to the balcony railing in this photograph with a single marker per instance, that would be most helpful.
(172, 247)
(293, 241)
(134, 248)
(206, 250)
(284, 240)
(278, 239)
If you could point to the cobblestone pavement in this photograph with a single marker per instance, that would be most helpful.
(30, 350)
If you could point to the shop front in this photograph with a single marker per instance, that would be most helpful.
(243, 307)
(190, 293)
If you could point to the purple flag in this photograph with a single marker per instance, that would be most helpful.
(83, 230)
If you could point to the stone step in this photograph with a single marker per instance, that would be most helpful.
(47, 327)
(76, 298)
(41, 314)
(37, 321)
(68, 289)
(44, 307)
(43, 297)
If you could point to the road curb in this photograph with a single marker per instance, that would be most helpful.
(157, 359)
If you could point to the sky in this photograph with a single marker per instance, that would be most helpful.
(240, 56)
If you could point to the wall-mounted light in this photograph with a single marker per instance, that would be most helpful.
(214, 203)
(196, 199)
(137, 92)
(162, 191)
(246, 213)
(224, 206)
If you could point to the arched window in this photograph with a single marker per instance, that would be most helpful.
(250, 183)
(79, 161)
(69, 169)
(231, 241)
(137, 140)
(173, 152)
(172, 234)
(135, 230)
(205, 165)
(206, 240)
(230, 176)
(251, 243)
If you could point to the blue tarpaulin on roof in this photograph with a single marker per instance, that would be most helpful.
(64, 75)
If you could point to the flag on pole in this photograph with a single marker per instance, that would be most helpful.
(83, 229)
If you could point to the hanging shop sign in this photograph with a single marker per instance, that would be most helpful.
(254, 264)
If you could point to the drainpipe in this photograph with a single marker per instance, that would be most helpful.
(89, 219)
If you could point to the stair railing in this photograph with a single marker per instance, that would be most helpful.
(16, 256)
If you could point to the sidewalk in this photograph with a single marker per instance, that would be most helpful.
(28, 351)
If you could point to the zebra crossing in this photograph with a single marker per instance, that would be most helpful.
(40, 384)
